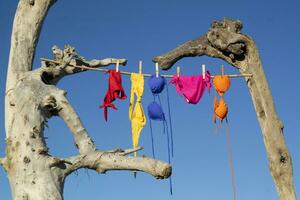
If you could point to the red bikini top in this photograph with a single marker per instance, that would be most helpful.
(115, 90)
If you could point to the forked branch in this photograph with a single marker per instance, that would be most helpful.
(103, 161)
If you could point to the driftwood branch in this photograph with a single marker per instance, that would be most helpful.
(214, 44)
(125, 152)
(67, 62)
(106, 161)
(130, 151)
(224, 40)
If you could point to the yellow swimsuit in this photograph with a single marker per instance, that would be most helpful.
(137, 116)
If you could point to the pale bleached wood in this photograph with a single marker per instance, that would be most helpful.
(107, 161)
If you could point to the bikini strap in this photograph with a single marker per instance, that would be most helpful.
(159, 100)
(169, 153)
(105, 106)
(152, 141)
(231, 161)
(170, 121)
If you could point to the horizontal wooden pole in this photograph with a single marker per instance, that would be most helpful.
(146, 75)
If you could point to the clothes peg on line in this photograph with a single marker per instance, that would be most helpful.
(178, 71)
(140, 67)
(156, 70)
(203, 71)
(222, 70)
(117, 66)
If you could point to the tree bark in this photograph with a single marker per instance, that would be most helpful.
(32, 98)
(225, 41)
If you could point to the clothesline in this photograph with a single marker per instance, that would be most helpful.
(192, 95)
(144, 74)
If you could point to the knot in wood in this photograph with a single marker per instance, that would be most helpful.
(231, 25)
(26, 160)
(50, 105)
(284, 158)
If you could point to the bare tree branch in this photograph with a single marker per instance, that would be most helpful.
(73, 59)
(66, 62)
(224, 40)
(130, 151)
(106, 161)
(203, 46)
(124, 152)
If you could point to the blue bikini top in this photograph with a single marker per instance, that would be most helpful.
(155, 112)
(156, 85)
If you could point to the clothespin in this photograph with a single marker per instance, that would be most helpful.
(203, 71)
(117, 66)
(156, 70)
(222, 70)
(140, 67)
(178, 71)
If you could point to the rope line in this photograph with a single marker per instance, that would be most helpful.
(145, 75)
(230, 158)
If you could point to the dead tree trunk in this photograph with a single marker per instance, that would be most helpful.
(32, 98)
(225, 41)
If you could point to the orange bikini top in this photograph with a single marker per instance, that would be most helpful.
(222, 85)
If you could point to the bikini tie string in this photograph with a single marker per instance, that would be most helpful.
(155, 112)
(105, 106)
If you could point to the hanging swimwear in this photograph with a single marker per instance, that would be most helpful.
(136, 113)
(155, 112)
(220, 109)
(222, 85)
(156, 84)
(115, 90)
(191, 87)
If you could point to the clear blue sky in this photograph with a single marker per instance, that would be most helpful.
(139, 30)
